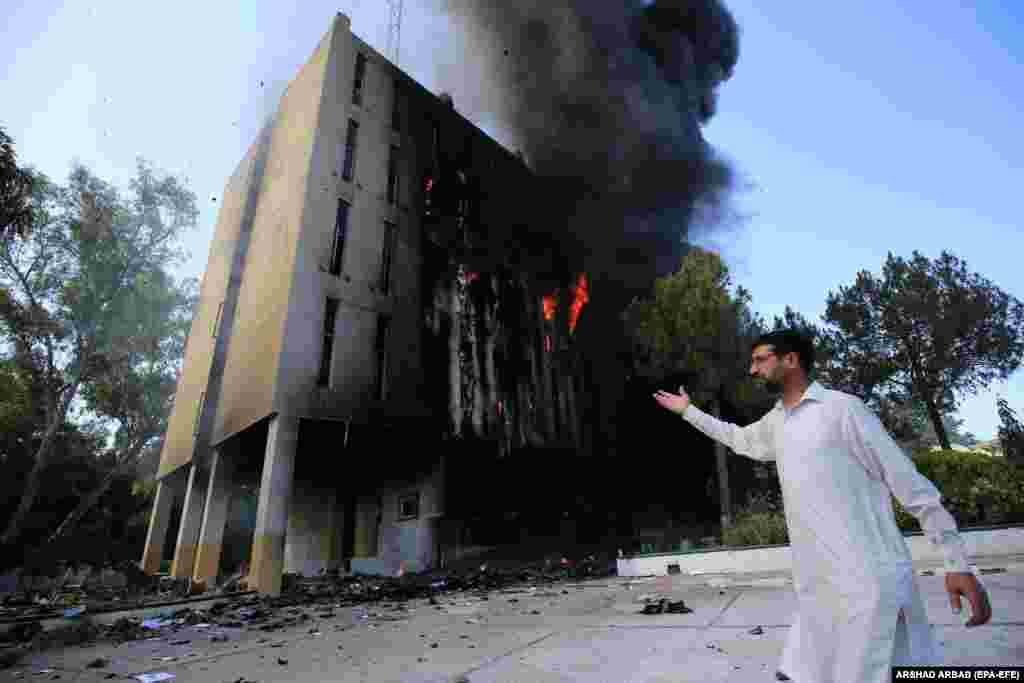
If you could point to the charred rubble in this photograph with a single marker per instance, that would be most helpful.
(303, 599)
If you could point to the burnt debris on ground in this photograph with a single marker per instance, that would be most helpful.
(320, 595)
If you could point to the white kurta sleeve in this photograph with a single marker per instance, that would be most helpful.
(873, 446)
(754, 441)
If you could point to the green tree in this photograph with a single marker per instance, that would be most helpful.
(15, 192)
(86, 303)
(694, 325)
(853, 366)
(1011, 432)
(928, 331)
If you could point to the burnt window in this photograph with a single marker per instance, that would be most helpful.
(386, 257)
(409, 505)
(360, 76)
(396, 107)
(429, 200)
(330, 316)
(435, 139)
(381, 378)
(340, 234)
(349, 165)
(393, 175)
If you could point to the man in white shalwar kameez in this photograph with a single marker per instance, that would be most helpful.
(859, 610)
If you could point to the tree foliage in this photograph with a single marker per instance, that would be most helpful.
(15, 192)
(695, 326)
(926, 330)
(90, 312)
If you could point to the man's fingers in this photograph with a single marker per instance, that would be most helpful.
(981, 607)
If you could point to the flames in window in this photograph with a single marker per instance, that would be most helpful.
(580, 297)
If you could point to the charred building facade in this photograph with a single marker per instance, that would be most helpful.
(379, 294)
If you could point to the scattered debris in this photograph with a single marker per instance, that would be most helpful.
(80, 590)
(98, 663)
(928, 572)
(993, 570)
(756, 631)
(663, 606)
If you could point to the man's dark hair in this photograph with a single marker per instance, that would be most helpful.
(789, 341)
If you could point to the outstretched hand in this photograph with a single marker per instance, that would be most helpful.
(965, 584)
(677, 403)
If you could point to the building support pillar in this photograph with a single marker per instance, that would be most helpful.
(159, 519)
(215, 515)
(191, 520)
(267, 560)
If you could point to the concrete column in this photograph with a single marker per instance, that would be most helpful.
(191, 521)
(267, 561)
(215, 514)
(159, 518)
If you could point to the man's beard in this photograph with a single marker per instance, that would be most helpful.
(772, 386)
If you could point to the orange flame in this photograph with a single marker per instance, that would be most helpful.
(581, 297)
(550, 304)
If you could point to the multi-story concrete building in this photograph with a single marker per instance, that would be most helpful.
(375, 289)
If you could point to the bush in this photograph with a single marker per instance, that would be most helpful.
(760, 522)
(976, 488)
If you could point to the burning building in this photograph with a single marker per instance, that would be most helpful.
(377, 292)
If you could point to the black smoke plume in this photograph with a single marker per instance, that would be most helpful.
(606, 100)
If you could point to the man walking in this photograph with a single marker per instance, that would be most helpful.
(859, 610)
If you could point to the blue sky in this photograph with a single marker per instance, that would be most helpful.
(865, 127)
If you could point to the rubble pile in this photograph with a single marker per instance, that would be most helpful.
(84, 588)
(302, 599)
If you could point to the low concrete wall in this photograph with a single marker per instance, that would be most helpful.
(979, 542)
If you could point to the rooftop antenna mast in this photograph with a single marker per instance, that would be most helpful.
(394, 29)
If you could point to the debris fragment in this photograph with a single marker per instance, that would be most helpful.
(98, 663)
(756, 631)
(155, 677)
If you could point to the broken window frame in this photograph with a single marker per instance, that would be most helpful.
(348, 167)
(412, 497)
(358, 80)
(327, 351)
(387, 256)
(381, 343)
(340, 237)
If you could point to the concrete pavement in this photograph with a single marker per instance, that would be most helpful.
(562, 633)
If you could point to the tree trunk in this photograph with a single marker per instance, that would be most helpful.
(936, 418)
(42, 459)
(721, 457)
(88, 503)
